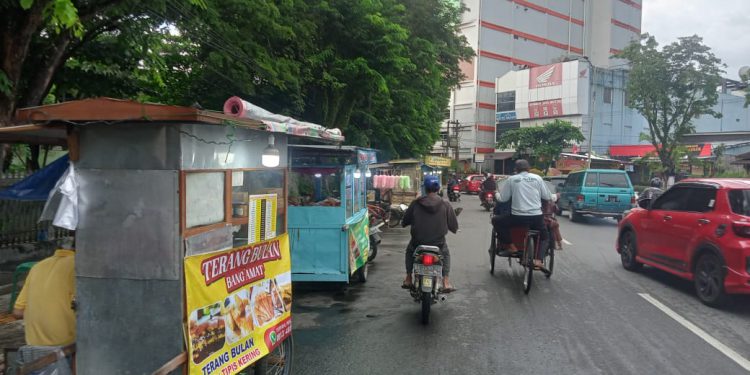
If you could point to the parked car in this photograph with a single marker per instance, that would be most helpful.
(596, 192)
(698, 230)
(472, 184)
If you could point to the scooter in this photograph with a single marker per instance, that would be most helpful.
(488, 200)
(454, 193)
(428, 273)
(374, 240)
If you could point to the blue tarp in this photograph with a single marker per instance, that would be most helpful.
(37, 186)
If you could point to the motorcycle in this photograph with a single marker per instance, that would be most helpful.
(428, 273)
(397, 213)
(374, 240)
(454, 193)
(488, 200)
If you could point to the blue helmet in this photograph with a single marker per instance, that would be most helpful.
(431, 183)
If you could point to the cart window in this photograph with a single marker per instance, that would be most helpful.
(258, 199)
(204, 198)
(315, 187)
(349, 194)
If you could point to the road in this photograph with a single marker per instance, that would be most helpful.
(591, 317)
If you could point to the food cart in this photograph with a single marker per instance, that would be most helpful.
(182, 252)
(328, 221)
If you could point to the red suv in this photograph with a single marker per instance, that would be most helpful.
(698, 230)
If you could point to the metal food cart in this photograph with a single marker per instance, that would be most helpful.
(181, 238)
(328, 216)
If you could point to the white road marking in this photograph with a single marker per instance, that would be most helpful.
(566, 242)
(727, 351)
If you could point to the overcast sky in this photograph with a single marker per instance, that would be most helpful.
(723, 24)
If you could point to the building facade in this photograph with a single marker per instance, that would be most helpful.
(509, 35)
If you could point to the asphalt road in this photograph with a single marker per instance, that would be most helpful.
(591, 317)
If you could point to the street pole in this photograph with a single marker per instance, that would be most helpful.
(593, 111)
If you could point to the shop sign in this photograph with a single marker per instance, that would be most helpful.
(366, 157)
(545, 76)
(238, 304)
(545, 108)
(437, 161)
(359, 243)
(505, 116)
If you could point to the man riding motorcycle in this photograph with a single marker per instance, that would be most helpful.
(653, 191)
(489, 184)
(454, 181)
(526, 192)
(430, 218)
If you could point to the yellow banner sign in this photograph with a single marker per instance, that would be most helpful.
(437, 161)
(239, 305)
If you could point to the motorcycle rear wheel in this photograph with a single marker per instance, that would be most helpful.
(426, 304)
(528, 268)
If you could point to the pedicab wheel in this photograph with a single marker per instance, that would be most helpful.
(549, 262)
(426, 304)
(277, 362)
(493, 246)
(528, 267)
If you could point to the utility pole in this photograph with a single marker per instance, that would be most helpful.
(593, 111)
(456, 139)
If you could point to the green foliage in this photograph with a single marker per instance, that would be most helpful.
(670, 87)
(5, 84)
(541, 144)
(380, 70)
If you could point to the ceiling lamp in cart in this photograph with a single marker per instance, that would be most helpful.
(357, 173)
(271, 156)
(368, 173)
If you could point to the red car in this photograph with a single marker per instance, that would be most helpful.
(698, 230)
(472, 184)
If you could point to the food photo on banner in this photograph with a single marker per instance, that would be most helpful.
(239, 305)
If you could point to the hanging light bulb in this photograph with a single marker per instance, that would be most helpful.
(357, 173)
(368, 172)
(318, 175)
(271, 156)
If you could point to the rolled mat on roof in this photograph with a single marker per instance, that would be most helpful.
(237, 107)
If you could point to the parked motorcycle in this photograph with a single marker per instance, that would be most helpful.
(488, 200)
(454, 193)
(374, 239)
(428, 277)
(397, 213)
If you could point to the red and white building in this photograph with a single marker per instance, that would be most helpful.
(511, 35)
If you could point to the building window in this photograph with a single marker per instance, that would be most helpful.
(626, 98)
(502, 128)
(506, 101)
(608, 95)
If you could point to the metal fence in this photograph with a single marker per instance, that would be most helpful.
(19, 223)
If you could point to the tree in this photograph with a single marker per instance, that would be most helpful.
(671, 87)
(543, 144)
(38, 37)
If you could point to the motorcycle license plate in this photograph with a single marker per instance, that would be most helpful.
(427, 282)
(421, 269)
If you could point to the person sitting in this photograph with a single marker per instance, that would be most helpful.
(652, 192)
(526, 191)
(46, 304)
(430, 218)
(550, 208)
